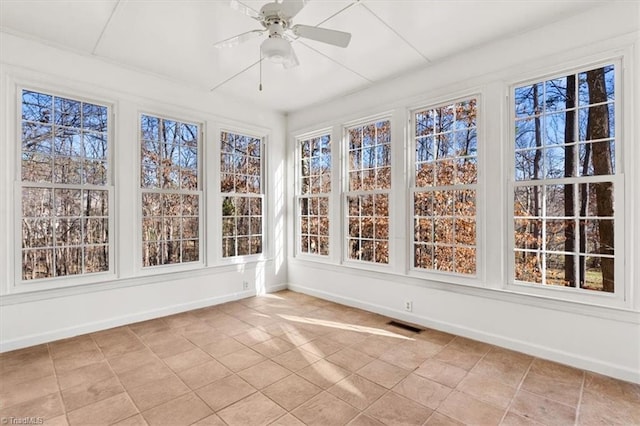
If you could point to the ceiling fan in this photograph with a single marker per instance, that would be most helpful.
(276, 18)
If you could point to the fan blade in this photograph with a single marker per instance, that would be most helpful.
(337, 38)
(243, 8)
(290, 8)
(291, 61)
(235, 40)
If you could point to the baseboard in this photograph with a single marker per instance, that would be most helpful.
(91, 327)
(574, 360)
(277, 287)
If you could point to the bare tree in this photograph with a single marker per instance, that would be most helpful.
(569, 168)
(598, 128)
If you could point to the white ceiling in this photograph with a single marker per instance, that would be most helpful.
(174, 39)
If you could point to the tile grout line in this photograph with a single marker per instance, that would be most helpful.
(116, 375)
(324, 357)
(467, 373)
(412, 372)
(289, 412)
(390, 390)
(435, 410)
(126, 391)
(579, 403)
(234, 373)
(513, 398)
(55, 374)
(172, 331)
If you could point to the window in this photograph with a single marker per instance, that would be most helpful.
(170, 186)
(241, 187)
(369, 186)
(445, 188)
(65, 187)
(314, 189)
(565, 175)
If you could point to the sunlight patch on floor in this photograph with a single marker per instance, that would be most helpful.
(349, 387)
(258, 314)
(343, 326)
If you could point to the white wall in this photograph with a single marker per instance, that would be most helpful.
(34, 317)
(605, 339)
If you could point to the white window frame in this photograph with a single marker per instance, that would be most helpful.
(264, 254)
(299, 196)
(20, 285)
(436, 275)
(346, 193)
(180, 266)
(621, 294)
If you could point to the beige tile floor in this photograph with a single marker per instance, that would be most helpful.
(291, 359)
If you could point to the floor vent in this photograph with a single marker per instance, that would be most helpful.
(405, 326)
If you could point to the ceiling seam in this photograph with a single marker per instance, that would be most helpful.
(337, 13)
(336, 62)
(328, 57)
(235, 75)
(397, 33)
(106, 25)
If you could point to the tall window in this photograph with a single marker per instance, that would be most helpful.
(169, 181)
(444, 196)
(369, 185)
(65, 187)
(313, 201)
(565, 173)
(242, 190)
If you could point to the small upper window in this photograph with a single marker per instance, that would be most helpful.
(65, 187)
(565, 174)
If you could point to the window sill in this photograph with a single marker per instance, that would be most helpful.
(55, 283)
(361, 265)
(314, 258)
(241, 260)
(622, 313)
(446, 277)
(587, 297)
(144, 271)
(116, 283)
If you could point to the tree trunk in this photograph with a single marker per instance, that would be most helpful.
(569, 167)
(598, 125)
(536, 170)
(584, 201)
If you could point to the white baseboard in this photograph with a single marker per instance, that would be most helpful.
(91, 327)
(574, 360)
(277, 287)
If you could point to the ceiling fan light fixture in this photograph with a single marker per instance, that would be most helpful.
(276, 49)
(276, 20)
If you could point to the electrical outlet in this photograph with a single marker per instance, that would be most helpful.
(408, 305)
(245, 285)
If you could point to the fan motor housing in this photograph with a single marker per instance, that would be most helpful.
(272, 16)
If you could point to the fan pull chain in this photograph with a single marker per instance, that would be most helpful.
(260, 86)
